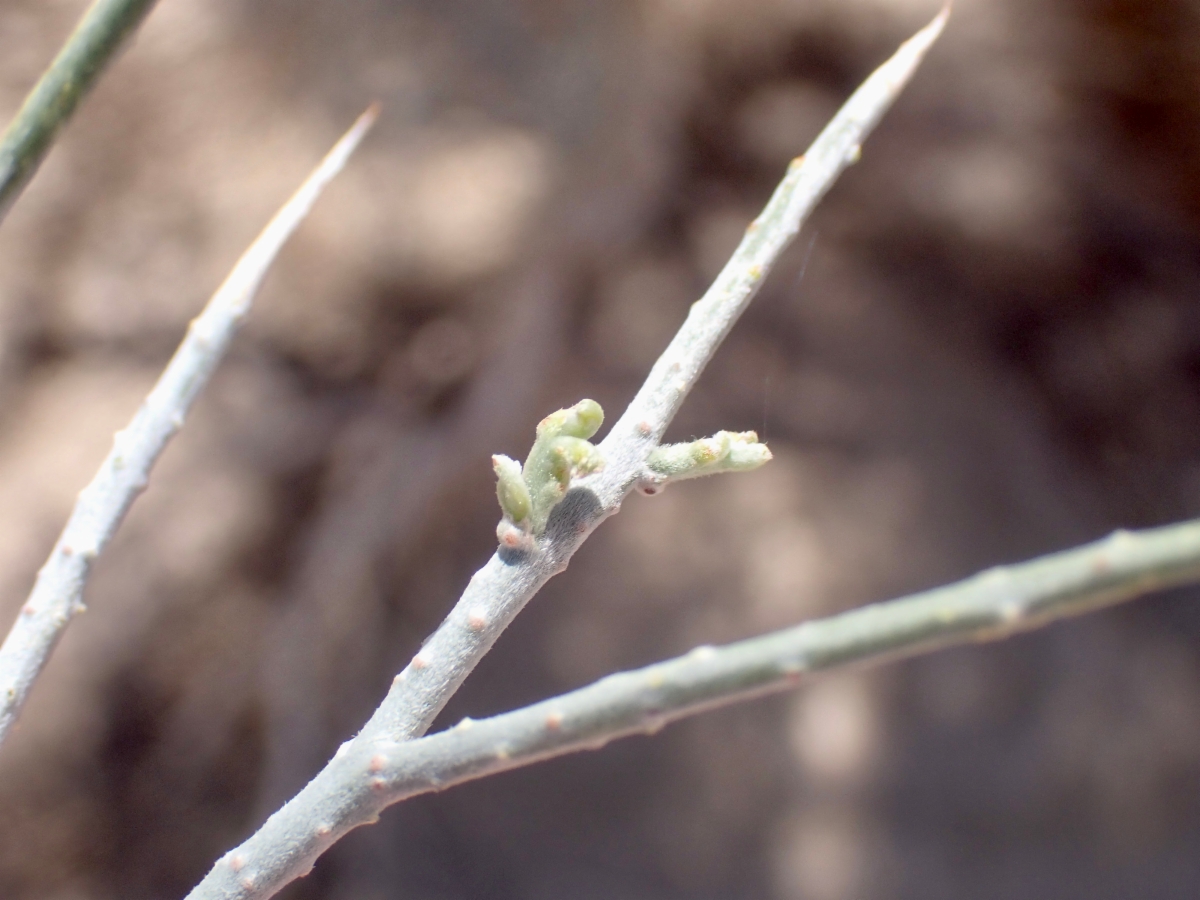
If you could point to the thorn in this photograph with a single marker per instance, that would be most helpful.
(419, 662)
(247, 883)
(367, 119)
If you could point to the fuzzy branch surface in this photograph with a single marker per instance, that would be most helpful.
(58, 592)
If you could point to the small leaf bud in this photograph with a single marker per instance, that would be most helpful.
(511, 489)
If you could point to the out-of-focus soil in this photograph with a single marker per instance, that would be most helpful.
(986, 345)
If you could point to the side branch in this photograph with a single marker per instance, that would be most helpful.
(58, 592)
(95, 41)
(366, 777)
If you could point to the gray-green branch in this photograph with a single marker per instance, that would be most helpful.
(95, 41)
(989, 606)
(371, 775)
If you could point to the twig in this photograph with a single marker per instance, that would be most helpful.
(293, 837)
(58, 592)
(367, 776)
(500, 590)
(95, 41)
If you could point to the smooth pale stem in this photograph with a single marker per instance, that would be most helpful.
(58, 592)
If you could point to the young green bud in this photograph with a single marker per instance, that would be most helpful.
(725, 451)
(745, 452)
(511, 489)
(581, 457)
(581, 421)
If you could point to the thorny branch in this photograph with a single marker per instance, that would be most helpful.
(338, 798)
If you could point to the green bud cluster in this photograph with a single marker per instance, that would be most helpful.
(560, 453)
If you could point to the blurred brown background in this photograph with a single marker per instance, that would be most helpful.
(993, 351)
